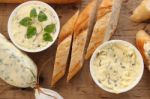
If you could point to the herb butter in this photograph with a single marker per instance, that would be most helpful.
(116, 66)
(33, 26)
(16, 68)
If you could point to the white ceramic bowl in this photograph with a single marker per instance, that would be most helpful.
(10, 29)
(123, 43)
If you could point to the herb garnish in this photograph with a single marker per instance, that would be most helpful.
(42, 16)
(31, 29)
(26, 21)
(47, 37)
(50, 28)
(33, 13)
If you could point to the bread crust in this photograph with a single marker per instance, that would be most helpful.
(102, 31)
(63, 49)
(79, 41)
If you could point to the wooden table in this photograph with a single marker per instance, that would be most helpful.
(82, 86)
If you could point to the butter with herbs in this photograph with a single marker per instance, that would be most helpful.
(116, 66)
(16, 68)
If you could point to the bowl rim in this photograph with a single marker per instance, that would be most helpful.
(10, 29)
(141, 67)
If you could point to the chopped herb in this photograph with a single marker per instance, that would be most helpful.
(50, 28)
(42, 16)
(6, 78)
(116, 60)
(0, 60)
(33, 13)
(47, 37)
(31, 31)
(133, 64)
(115, 85)
(114, 55)
(99, 81)
(26, 21)
(99, 63)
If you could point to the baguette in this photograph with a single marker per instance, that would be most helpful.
(79, 40)
(48, 1)
(143, 43)
(106, 24)
(64, 44)
(103, 16)
(80, 37)
(142, 12)
(107, 19)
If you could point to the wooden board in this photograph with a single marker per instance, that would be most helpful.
(82, 86)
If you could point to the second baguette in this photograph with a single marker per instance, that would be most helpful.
(79, 41)
(63, 49)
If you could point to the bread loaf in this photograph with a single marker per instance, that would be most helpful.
(106, 23)
(79, 41)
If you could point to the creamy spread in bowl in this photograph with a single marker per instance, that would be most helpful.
(116, 66)
(33, 26)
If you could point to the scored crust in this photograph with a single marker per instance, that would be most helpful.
(80, 36)
(103, 16)
(63, 49)
(79, 40)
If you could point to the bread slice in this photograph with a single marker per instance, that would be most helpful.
(63, 49)
(79, 40)
(142, 12)
(106, 24)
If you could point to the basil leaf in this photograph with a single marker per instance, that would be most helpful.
(31, 31)
(47, 37)
(26, 21)
(50, 28)
(33, 13)
(42, 16)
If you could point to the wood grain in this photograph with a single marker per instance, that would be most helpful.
(82, 86)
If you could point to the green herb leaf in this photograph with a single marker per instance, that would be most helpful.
(31, 31)
(47, 37)
(26, 21)
(50, 28)
(33, 13)
(42, 16)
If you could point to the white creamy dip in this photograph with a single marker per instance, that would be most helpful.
(116, 66)
(18, 32)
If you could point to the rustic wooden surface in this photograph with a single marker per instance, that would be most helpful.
(82, 86)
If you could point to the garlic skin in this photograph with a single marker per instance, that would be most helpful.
(47, 94)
